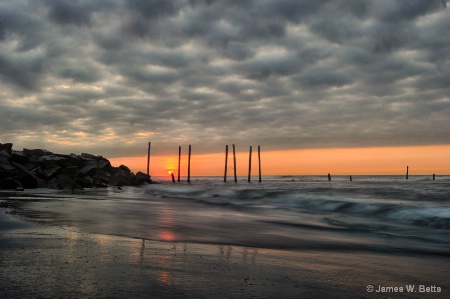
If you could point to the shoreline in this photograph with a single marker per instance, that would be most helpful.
(42, 260)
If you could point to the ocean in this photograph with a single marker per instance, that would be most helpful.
(373, 214)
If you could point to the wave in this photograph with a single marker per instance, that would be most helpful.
(419, 207)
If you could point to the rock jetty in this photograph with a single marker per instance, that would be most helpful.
(38, 168)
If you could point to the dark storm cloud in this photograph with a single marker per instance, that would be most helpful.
(107, 76)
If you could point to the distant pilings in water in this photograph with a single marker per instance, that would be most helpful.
(179, 162)
(189, 165)
(226, 164)
(148, 158)
(234, 163)
(407, 172)
(179, 166)
(259, 162)
(249, 164)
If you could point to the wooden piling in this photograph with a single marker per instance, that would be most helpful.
(179, 162)
(259, 162)
(407, 172)
(434, 176)
(329, 177)
(189, 165)
(226, 164)
(234, 162)
(173, 177)
(148, 158)
(250, 164)
(351, 179)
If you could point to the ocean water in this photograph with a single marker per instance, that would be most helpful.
(385, 214)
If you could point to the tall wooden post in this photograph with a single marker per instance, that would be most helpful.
(179, 162)
(250, 164)
(329, 177)
(407, 172)
(351, 179)
(234, 158)
(226, 164)
(434, 176)
(148, 158)
(259, 162)
(189, 165)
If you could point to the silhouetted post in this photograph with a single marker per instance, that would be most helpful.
(226, 164)
(173, 177)
(148, 158)
(434, 176)
(179, 162)
(407, 172)
(329, 177)
(250, 164)
(234, 159)
(259, 162)
(189, 165)
(351, 178)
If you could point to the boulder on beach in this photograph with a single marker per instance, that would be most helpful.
(39, 168)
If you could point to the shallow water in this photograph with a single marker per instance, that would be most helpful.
(369, 214)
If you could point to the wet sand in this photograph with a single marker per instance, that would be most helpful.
(44, 261)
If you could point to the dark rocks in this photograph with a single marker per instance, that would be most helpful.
(65, 182)
(37, 168)
(140, 176)
(7, 147)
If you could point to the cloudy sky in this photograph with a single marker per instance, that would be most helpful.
(108, 76)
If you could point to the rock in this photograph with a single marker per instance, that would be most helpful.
(101, 183)
(6, 167)
(100, 173)
(143, 177)
(10, 183)
(71, 171)
(65, 182)
(52, 172)
(36, 152)
(39, 173)
(85, 181)
(52, 160)
(89, 170)
(104, 165)
(26, 178)
(7, 147)
(125, 168)
(121, 179)
(75, 160)
(19, 157)
(32, 168)
(90, 157)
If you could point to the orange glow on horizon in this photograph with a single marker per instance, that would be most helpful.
(339, 161)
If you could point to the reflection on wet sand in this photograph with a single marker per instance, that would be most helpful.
(70, 264)
(166, 225)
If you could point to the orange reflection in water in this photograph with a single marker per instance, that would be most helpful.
(166, 235)
(165, 278)
(166, 223)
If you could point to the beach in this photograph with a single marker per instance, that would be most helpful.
(62, 244)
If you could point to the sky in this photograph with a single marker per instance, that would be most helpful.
(294, 76)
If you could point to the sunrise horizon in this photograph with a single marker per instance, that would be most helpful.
(422, 160)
